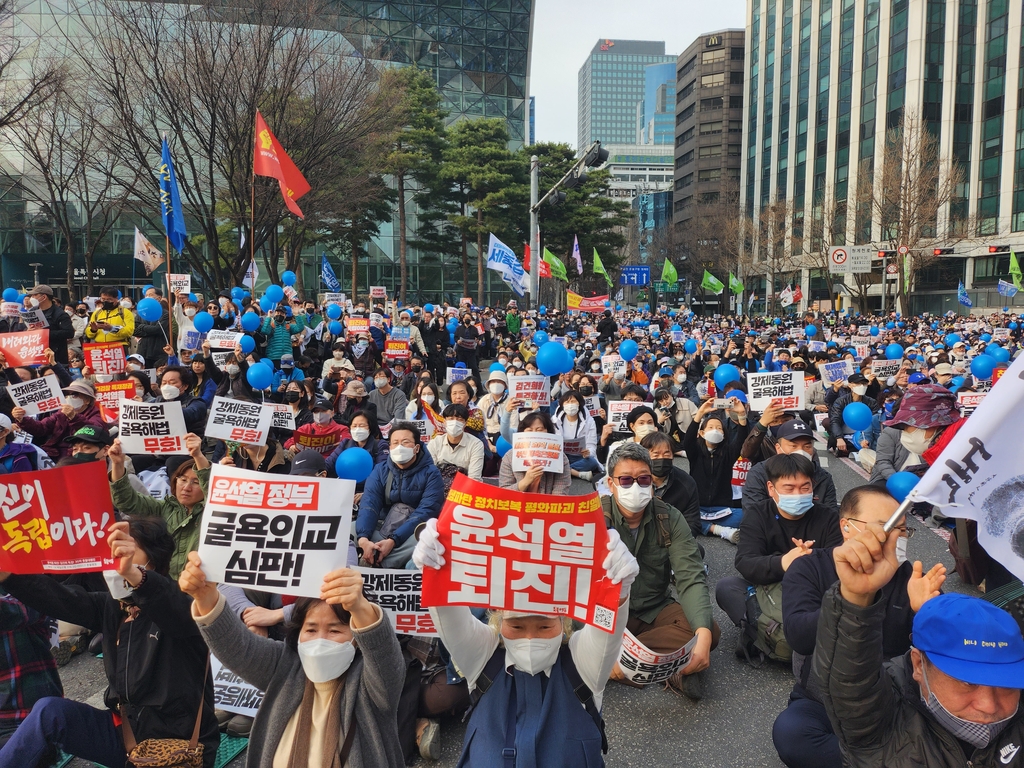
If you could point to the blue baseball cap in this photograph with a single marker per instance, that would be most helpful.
(917, 377)
(971, 640)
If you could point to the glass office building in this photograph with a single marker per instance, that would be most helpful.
(656, 119)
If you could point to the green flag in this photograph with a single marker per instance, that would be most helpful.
(557, 267)
(1015, 270)
(712, 283)
(669, 274)
(735, 284)
(599, 268)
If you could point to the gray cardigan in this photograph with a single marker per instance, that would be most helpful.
(890, 455)
(370, 696)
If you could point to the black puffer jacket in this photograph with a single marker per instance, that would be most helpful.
(712, 470)
(154, 663)
(876, 710)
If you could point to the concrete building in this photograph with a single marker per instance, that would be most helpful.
(638, 168)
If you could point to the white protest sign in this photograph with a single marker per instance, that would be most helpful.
(239, 421)
(224, 339)
(458, 374)
(534, 389)
(840, 370)
(34, 318)
(1000, 334)
(969, 401)
(283, 418)
(152, 428)
(860, 351)
(180, 284)
(37, 395)
(231, 693)
(378, 292)
(612, 364)
(678, 337)
(276, 534)
(10, 309)
(593, 405)
(533, 449)
(220, 359)
(643, 666)
(398, 592)
(618, 410)
(883, 369)
(784, 389)
(816, 346)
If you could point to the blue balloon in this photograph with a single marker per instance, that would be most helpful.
(150, 310)
(1000, 355)
(247, 343)
(857, 416)
(335, 328)
(275, 293)
(542, 310)
(237, 293)
(496, 367)
(333, 311)
(607, 303)
(267, 303)
(543, 323)
(203, 321)
(618, 307)
(452, 324)
(677, 327)
(935, 326)
(10, 294)
(354, 463)
(259, 377)
(777, 321)
(831, 345)
(957, 381)
(552, 358)
(460, 365)
(874, 330)
(952, 339)
(982, 366)
(288, 277)
(690, 346)
(266, 361)
(119, 295)
(503, 446)
(890, 325)
(628, 349)
(901, 324)
(992, 348)
(986, 337)
(726, 373)
(191, 297)
(428, 308)
(810, 330)
(246, 294)
(540, 338)
(893, 352)
(900, 484)
(250, 321)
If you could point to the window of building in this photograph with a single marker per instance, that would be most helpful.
(712, 57)
(709, 128)
(708, 105)
(685, 136)
(732, 174)
(685, 160)
(687, 90)
(735, 126)
(713, 80)
(737, 54)
(714, 151)
(687, 67)
(735, 150)
(709, 174)
(684, 181)
(686, 114)
(736, 78)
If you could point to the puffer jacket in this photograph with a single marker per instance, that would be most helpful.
(890, 453)
(877, 711)
(420, 486)
(279, 337)
(49, 432)
(836, 427)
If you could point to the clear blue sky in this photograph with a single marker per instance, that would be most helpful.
(565, 31)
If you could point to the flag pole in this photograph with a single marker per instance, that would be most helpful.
(252, 233)
(167, 267)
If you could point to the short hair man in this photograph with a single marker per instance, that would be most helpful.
(791, 437)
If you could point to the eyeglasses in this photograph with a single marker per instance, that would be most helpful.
(625, 481)
(905, 530)
(189, 483)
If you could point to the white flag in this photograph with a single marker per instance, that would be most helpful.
(147, 253)
(786, 296)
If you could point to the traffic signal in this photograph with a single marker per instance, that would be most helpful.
(557, 198)
(597, 155)
(999, 249)
(577, 178)
(943, 252)
(886, 254)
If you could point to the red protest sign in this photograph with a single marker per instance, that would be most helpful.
(357, 325)
(61, 528)
(523, 552)
(109, 394)
(106, 358)
(397, 350)
(25, 348)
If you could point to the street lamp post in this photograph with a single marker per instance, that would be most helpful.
(35, 270)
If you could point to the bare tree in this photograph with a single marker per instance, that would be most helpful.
(27, 80)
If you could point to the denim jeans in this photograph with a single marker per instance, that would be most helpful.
(78, 729)
(732, 520)
(580, 464)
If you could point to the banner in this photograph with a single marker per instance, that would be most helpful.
(399, 593)
(180, 284)
(152, 428)
(26, 348)
(33, 319)
(224, 339)
(531, 449)
(534, 389)
(840, 370)
(784, 389)
(643, 666)
(105, 358)
(378, 292)
(109, 396)
(282, 418)
(396, 350)
(37, 395)
(10, 309)
(457, 374)
(523, 552)
(576, 303)
(231, 693)
(320, 443)
(883, 369)
(274, 533)
(59, 528)
(357, 325)
(969, 402)
(239, 421)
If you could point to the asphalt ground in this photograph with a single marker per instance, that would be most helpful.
(730, 728)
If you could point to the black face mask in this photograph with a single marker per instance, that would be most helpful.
(82, 458)
(292, 397)
(109, 304)
(586, 391)
(416, 368)
(661, 467)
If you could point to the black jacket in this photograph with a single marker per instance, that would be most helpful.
(152, 338)
(755, 490)
(765, 536)
(712, 470)
(154, 664)
(835, 412)
(680, 491)
(61, 332)
(606, 329)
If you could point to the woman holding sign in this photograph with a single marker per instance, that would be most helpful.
(535, 479)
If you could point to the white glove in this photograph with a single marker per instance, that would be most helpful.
(621, 567)
(429, 551)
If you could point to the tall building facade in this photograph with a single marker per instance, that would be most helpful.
(825, 81)
(612, 82)
(656, 114)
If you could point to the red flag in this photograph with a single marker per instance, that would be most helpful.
(270, 159)
(797, 294)
(545, 268)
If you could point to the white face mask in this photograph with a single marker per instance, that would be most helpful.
(126, 304)
(338, 354)
(402, 454)
(169, 391)
(714, 436)
(428, 399)
(571, 409)
(916, 442)
(533, 655)
(325, 660)
(76, 402)
(322, 417)
(360, 435)
(454, 427)
(497, 389)
(642, 430)
(681, 378)
(901, 550)
(103, 378)
(634, 499)
(33, 302)
(115, 585)
(517, 363)
(503, 360)
(232, 370)
(860, 389)
(190, 312)
(380, 382)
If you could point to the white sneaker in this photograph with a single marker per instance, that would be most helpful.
(588, 476)
(729, 534)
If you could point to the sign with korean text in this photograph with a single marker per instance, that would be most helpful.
(231, 693)
(643, 666)
(274, 533)
(784, 389)
(356, 325)
(883, 369)
(283, 417)
(532, 449)
(612, 364)
(854, 258)
(593, 405)
(969, 401)
(333, 298)
(152, 428)
(860, 351)
(37, 395)
(577, 303)
(401, 333)
(618, 410)
(532, 389)
(55, 520)
(1000, 334)
(378, 292)
(678, 337)
(109, 396)
(324, 443)
(106, 358)
(457, 374)
(396, 350)
(25, 348)
(376, 320)
(816, 346)
(180, 284)
(224, 339)
(523, 552)
(239, 421)
(399, 593)
(34, 319)
(10, 309)
(840, 370)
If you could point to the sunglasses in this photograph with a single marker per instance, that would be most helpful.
(625, 481)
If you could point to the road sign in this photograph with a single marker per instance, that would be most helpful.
(633, 275)
(903, 250)
(852, 258)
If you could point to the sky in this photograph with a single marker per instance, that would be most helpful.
(565, 31)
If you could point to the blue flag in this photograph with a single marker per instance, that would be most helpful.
(1007, 289)
(962, 297)
(170, 201)
(327, 275)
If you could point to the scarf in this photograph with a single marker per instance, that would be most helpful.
(299, 757)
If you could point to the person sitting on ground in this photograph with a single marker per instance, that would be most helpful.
(14, 456)
(176, 387)
(49, 432)
(577, 428)
(791, 437)
(673, 485)
(389, 401)
(456, 449)
(323, 433)
(924, 414)
(536, 479)
(952, 699)
(659, 537)
(840, 434)
(802, 734)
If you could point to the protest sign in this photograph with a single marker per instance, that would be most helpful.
(593, 405)
(840, 370)
(863, 330)
(180, 284)
(534, 389)
(25, 348)
(320, 443)
(396, 350)
(643, 666)
(523, 552)
(105, 358)
(224, 339)
(577, 303)
(376, 320)
(357, 325)
(612, 364)
(784, 389)
(1000, 334)
(37, 395)
(883, 369)
(152, 428)
(969, 402)
(860, 351)
(678, 337)
(283, 417)
(109, 395)
(399, 593)
(618, 410)
(816, 346)
(220, 359)
(34, 319)
(231, 693)
(277, 534)
(192, 339)
(378, 292)
(425, 427)
(531, 449)
(333, 298)
(55, 520)
(457, 374)
(10, 309)
(239, 421)
(401, 333)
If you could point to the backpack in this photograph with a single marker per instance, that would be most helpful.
(761, 626)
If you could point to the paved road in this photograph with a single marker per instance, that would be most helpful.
(730, 728)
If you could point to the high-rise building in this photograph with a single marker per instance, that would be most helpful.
(611, 83)
(638, 168)
(656, 114)
(708, 122)
(826, 79)
(531, 134)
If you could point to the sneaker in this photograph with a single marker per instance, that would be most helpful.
(429, 740)
(691, 686)
(223, 717)
(68, 647)
(729, 534)
(588, 476)
(239, 725)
